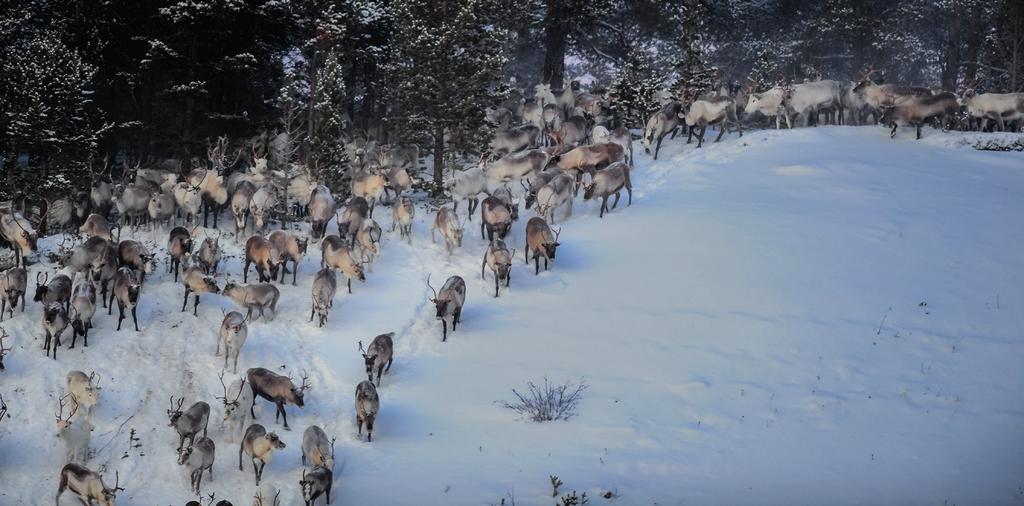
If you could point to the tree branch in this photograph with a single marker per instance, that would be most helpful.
(578, 35)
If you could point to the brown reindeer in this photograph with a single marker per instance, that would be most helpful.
(264, 255)
(542, 241)
(277, 389)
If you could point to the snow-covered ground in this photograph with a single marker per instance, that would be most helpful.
(815, 316)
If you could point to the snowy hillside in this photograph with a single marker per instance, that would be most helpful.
(813, 316)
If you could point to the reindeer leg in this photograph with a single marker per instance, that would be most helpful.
(135, 319)
(195, 305)
(721, 131)
(444, 332)
(120, 312)
(185, 303)
(536, 264)
(657, 148)
(350, 280)
(618, 195)
(74, 336)
(481, 228)
(284, 415)
(919, 131)
(892, 134)
(245, 271)
(496, 286)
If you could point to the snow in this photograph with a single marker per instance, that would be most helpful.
(812, 316)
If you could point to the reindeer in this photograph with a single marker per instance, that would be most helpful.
(211, 182)
(542, 240)
(55, 320)
(403, 214)
(13, 285)
(448, 303)
(57, 290)
(197, 282)
(136, 256)
(254, 298)
(447, 222)
(259, 445)
(317, 450)
(552, 118)
(504, 194)
(499, 260)
(589, 159)
(399, 180)
(241, 201)
(127, 287)
(179, 245)
(533, 114)
(83, 308)
(102, 270)
(516, 166)
(266, 496)
(662, 123)
(623, 138)
(277, 389)
(467, 185)
(188, 423)
(610, 181)
(235, 398)
(336, 254)
(291, 249)
(512, 140)
(768, 103)
(83, 391)
(267, 258)
(209, 255)
(325, 285)
(321, 210)
(17, 231)
(351, 219)
(96, 225)
(132, 202)
(557, 193)
(74, 435)
(917, 110)
(263, 202)
(315, 483)
(87, 485)
(496, 216)
(880, 96)
(233, 331)
(197, 458)
(1000, 107)
(189, 201)
(379, 354)
(574, 129)
(806, 99)
(100, 193)
(367, 407)
(537, 182)
(370, 187)
(709, 111)
(161, 208)
(368, 240)
(399, 156)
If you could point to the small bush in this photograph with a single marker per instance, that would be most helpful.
(548, 401)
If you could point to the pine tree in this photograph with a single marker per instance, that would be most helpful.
(328, 161)
(694, 75)
(632, 94)
(446, 63)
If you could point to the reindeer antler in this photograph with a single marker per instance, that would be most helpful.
(305, 382)
(3, 350)
(431, 288)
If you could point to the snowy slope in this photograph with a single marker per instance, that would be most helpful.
(815, 316)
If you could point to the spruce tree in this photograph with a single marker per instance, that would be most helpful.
(444, 71)
(328, 161)
(764, 74)
(694, 75)
(632, 94)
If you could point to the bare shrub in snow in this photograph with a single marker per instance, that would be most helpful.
(548, 401)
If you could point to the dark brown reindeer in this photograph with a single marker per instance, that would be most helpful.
(277, 389)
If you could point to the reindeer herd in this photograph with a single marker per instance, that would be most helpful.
(544, 152)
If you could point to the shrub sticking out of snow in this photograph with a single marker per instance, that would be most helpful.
(547, 402)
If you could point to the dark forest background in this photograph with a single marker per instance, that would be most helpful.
(152, 80)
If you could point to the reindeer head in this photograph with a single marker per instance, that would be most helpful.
(41, 287)
(440, 305)
(148, 262)
(53, 312)
(231, 405)
(183, 454)
(298, 393)
(864, 80)
(175, 412)
(302, 243)
(110, 494)
(369, 361)
(551, 246)
(64, 424)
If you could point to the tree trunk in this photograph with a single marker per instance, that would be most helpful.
(556, 34)
(951, 58)
(973, 49)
